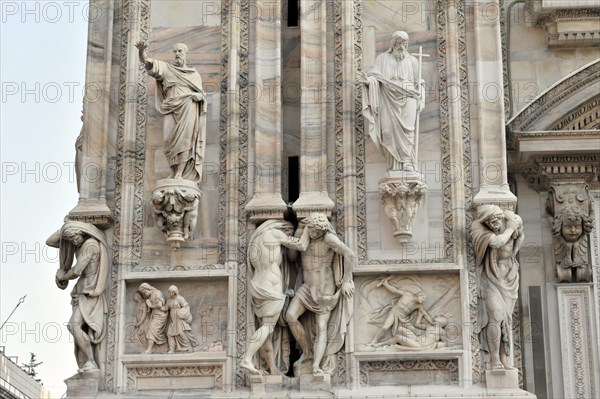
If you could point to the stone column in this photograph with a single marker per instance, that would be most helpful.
(313, 110)
(267, 202)
(490, 106)
(93, 159)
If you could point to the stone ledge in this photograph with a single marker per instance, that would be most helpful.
(172, 360)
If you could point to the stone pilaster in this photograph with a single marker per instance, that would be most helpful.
(490, 106)
(313, 110)
(578, 341)
(92, 162)
(267, 202)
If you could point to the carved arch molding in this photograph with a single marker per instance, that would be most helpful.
(570, 105)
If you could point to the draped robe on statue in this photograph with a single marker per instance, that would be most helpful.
(176, 89)
(495, 289)
(88, 293)
(390, 104)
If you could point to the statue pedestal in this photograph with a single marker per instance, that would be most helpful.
(401, 193)
(83, 385)
(262, 384)
(502, 379)
(311, 382)
(175, 209)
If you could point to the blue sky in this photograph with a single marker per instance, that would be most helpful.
(42, 71)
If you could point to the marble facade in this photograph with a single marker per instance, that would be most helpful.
(511, 112)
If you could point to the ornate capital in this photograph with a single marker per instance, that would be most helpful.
(401, 198)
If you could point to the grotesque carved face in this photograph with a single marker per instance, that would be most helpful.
(421, 297)
(572, 229)
(494, 222)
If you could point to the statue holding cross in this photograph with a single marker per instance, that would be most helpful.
(393, 98)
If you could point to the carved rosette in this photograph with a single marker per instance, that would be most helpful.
(401, 197)
(175, 209)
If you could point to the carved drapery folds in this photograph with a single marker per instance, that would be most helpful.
(497, 237)
(569, 204)
(401, 198)
(159, 320)
(175, 209)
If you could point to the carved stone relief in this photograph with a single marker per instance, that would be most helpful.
(409, 372)
(172, 323)
(397, 313)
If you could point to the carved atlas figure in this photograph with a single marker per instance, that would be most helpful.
(326, 293)
(269, 291)
(86, 244)
(497, 237)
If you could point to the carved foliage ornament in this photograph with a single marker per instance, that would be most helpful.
(175, 210)
(401, 200)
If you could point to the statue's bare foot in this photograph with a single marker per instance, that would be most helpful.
(88, 366)
(250, 367)
(498, 366)
(317, 371)
(177, 176)
(171, 352)
(148, 351)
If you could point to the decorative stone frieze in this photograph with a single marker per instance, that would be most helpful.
(542, 171)
(571, 28)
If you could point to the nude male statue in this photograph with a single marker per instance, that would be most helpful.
(326, 292)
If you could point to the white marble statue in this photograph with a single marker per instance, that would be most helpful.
(497, 237)
(268, 288)
(326, 293)
(393, 97)
(155, 334)
(179, 329)
(87, 244)
(571, 231)
(180, 96)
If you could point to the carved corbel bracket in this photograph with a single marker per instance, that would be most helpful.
(175, 209)
(569, 204)
(401, 197)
